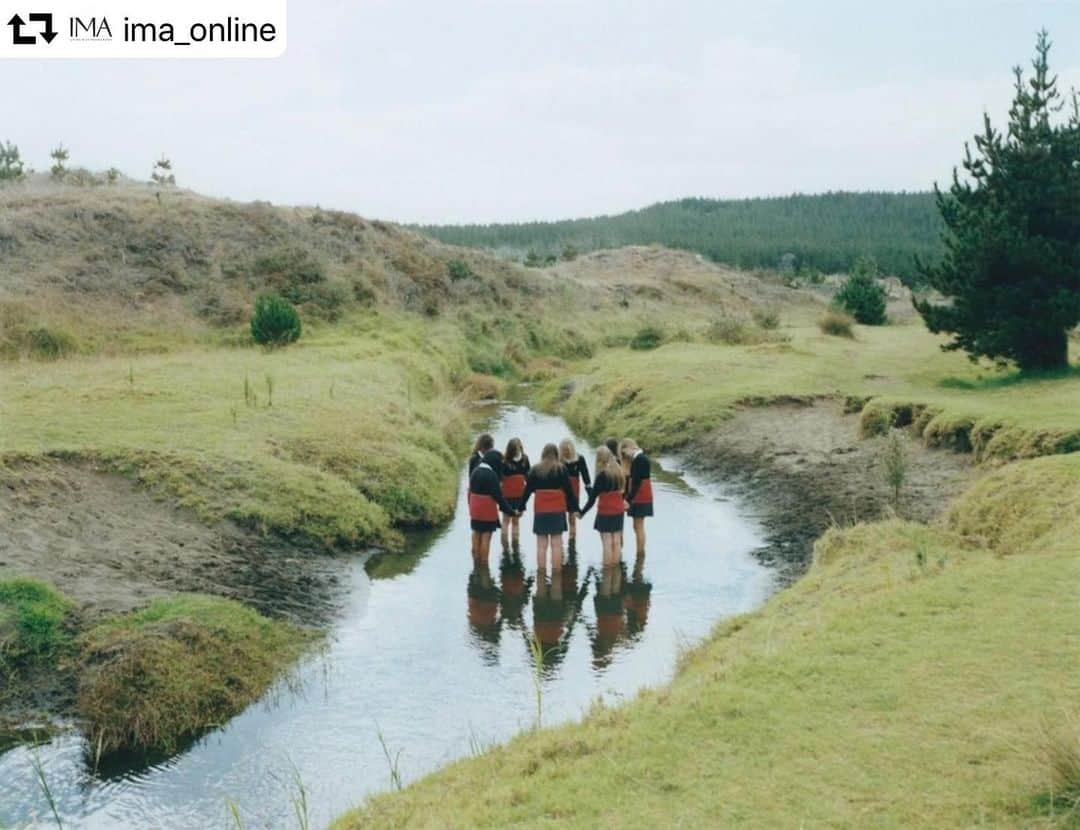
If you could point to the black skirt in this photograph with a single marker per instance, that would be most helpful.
(609, 524)
(517, 504)
(640, 511)
(480, 526)
(549, 524)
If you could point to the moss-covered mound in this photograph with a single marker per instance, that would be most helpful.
(154, 677)
(32, 620)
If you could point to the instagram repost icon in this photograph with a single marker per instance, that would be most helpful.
(36, 28)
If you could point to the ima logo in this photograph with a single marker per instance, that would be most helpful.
(24, 33)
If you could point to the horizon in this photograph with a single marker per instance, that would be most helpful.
(540, 112)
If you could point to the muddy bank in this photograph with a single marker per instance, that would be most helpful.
(802, 467)
(109, 547)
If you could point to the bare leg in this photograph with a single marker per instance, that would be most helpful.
(475, 544)
(484, 548)
(573, 528)
(515, 528)
(505, 529)
(639, 534)
(556, 552)
(541, 552)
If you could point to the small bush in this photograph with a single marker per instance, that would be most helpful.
(862, 296)
(837, 323)
(648, 337)
(49, 344)
(767, 318)
(894, 462)
(32, 615)
(275, 321)
(732, 332)
(458, 270)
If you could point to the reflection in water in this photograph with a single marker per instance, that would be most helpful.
(620, 603)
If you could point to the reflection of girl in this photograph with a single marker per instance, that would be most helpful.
(578, 471)
(483, 604)
(514, 588)
(554, 498)
(610, 618)
(607, 493)
(485, 501)
(515, 468)
(639, 493)
(638, 597)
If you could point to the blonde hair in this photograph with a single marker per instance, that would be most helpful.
(627, 448)
(567, 450)
(549, 460)
(606, 463)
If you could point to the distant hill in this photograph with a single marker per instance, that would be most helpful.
(826, 232)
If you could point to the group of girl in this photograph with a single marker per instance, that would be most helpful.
(503, 483)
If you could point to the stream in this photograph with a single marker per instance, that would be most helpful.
(428, 661)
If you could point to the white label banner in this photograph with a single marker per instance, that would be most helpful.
(40, 29)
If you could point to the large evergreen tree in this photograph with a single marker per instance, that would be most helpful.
(1011, 270)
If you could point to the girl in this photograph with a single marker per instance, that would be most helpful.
(608, 491)
(639, 494)
(484, 443)
(515, 468)
(554, 499)
(578, 471)
(485, 501)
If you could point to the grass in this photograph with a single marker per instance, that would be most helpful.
(32, 620)
(901, 683)
(195, 427)
(155, 677)
(668, 397)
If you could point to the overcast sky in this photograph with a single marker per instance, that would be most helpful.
(451, 111)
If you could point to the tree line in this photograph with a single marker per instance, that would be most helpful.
(827, 232)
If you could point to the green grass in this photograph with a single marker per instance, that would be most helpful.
(151, 678)
(363, 434)
(32, 618)
(902, 683)
(667, 397)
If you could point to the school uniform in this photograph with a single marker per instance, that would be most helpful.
(639, 493)
(486, 498)
(554, 497)
(608, 497)
(578, 471)
(514, 474)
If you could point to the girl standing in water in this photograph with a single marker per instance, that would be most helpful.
(578, 471)
(484, 443)
(515, 468)
(639, 493)
(485, 501)
(554, 499)
(607, 492)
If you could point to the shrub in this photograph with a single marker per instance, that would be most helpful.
(32, 615)
(49, 344)
(1061, 752)
(458, 270)
(767, 318)
(732, 332)
(837, 323)
(894, 464)
(275, 321)
(861, 295)
(11, 164)
(648, 337)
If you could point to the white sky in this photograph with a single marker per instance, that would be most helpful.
(451, 111)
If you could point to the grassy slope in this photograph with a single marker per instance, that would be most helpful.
(667, 397)
(905, 681)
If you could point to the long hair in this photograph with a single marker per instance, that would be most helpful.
(627, 448)
(567, 451)
(606, 463)
(484, 442)
(549, 461)
(514, 450)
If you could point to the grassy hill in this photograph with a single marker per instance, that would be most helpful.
(826, 232)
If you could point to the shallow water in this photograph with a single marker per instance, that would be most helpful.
(434, 656)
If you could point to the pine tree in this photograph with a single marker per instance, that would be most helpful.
(1012, 263)
(59, 154)
(11, 165)
(162, 174)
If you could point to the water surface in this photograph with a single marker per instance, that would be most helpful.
(435, 656)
